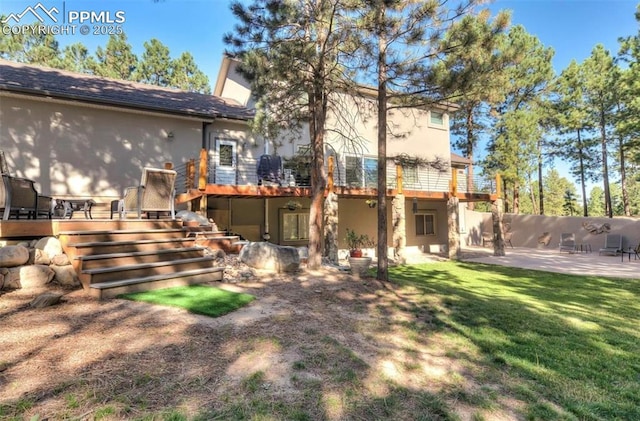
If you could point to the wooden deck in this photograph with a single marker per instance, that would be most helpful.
(30, 228)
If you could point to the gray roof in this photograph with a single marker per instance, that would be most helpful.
(55, 83)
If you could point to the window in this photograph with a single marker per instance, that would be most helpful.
(436, 118)
(425, 224)
(226, 155)
(361, 171)
(295, 226)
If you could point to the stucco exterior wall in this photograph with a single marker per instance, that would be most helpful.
(528, 228)
(79, 151)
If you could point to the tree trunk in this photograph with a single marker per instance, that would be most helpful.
(318, 181)
(583, 181)
(383, 263)
(605, 167)
(623, 179)
(540, 183)
(470, 187)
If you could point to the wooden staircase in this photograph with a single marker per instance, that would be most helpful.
(156, 254)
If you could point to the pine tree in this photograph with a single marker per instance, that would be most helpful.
(116, 60)
(600, 101)
(185, 75)
(294, 55)
(575, 144)
(519, 117)
(153, 68)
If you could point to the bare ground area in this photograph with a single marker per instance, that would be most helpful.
(313, 346)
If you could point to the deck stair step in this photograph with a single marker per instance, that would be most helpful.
(111, 289)
(95, 261)
(111, 262)
(105, 247)
(147, 269)
(124, 235)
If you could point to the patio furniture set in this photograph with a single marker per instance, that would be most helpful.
(612, 246)
(154, 194)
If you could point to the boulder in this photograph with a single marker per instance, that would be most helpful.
(39, 257)
(66, 275)
(45, 300)
(50, 245)
(34, 276)
(60, 260)
(270, 257)
(12, 256)
(12, 279)
(189, 216)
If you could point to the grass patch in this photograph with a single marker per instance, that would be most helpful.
(571, 342)
(198, 299)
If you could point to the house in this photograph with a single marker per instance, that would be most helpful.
(82, 136)
(420, 145)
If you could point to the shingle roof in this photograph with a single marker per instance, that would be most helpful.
(43, 81)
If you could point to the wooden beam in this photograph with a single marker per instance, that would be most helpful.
(399, 178)
(202, 179)
(330, 175)
(454, 182)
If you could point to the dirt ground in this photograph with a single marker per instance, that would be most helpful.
(318, 345)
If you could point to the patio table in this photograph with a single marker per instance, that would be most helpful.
(71, 205)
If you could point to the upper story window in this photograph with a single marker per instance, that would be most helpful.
(361, 171)
(436, 118)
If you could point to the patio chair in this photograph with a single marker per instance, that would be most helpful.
(18, 196)
(612, 244)
(507, 238)
(567, 242)
(156, 193)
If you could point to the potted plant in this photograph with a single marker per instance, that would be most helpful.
(359, 263)
(293, 205)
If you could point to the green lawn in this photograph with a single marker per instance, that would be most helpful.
(568, 346)
(198, 299)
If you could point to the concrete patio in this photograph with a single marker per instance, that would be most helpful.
(552, 260)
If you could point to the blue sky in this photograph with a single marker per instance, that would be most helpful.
(571, 27)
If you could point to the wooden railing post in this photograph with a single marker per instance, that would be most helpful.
(202, 180)
(399, 178)
(498, 186)
(454, 182)
(330, 166)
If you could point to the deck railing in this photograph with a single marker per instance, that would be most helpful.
(194, 174)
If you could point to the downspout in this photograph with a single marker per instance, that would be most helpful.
(266, 236)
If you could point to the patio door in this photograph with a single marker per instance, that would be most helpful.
(226, 161)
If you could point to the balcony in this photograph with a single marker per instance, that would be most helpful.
(243, 180)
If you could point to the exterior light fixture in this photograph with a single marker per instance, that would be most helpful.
(414, 207)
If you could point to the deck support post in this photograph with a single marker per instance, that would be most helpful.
(497, 210)
(331, 217)
(453, 234)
